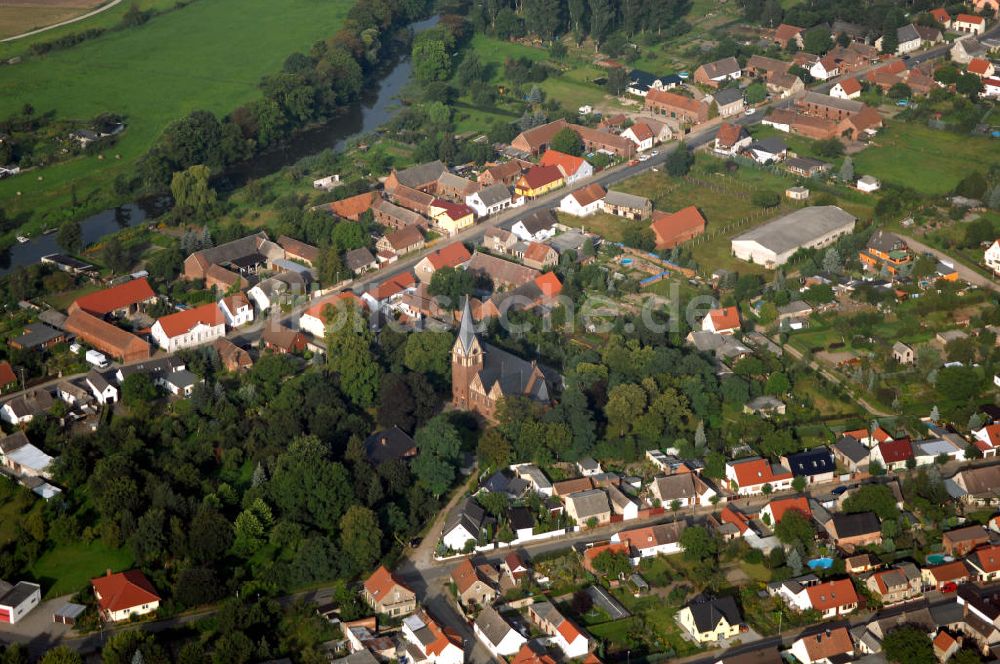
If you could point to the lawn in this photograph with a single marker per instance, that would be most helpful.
(928, 160)
(62, 300)
(68, 569)
(208, 55)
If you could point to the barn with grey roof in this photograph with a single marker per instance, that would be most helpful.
(773, 243)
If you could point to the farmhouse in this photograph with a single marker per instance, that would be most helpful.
(969, 24)
(107, 338)
(714, 73)
(584, 201)
(120, 300)
(188, 328)
(679, 107)
(674, 228)
(629, 206)
(773, 243)
(490, 199)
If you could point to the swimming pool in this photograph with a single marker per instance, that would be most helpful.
(820, 563)
(938, 558)
(626, 261)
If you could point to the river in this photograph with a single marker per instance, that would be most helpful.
(372, 111)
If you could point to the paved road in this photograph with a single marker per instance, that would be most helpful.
(62, 23)
(966, 273)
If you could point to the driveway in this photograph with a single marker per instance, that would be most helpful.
(965, 272)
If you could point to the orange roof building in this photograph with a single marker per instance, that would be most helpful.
(353, 207)
(118, 300)
(833, 597)
(676, 106)
(722, 321)
(568, 165)
(108, 338)
(776, 509)
(749, 476)
(120, 596)
(674, 228)
(385, 594)
(188, 328)
(7, 376)
(453, 255)
(539, 180)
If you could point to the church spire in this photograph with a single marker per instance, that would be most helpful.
(466, 332)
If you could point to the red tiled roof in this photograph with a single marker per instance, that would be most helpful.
(988, 559)
(587, 195)
(316, 310)
(566, 163)
(532, 653)
(7, 375)
(451, 256)
(455, 211)
(969, 18)
(675, 100)
(894, 67)
(949, 571)
(539, 176)
(103, 302)
(669, 226)
(825, 645)
(992, 435)
(464, 574)
(896, 450)
(612, 547)
(729, 515)
(784, 32)
(568, 630)
(726, 318)
(183, 321)
(944, 640)
(757, 471)
(832, 594)
(782, 505)
(123, 591)
(381, 583)
(940, 15)
(978, 66)
(641, 131)
(393, 285)
(405, 237)
(105, 336)
(536, 251)
(354, 206)
(728, 134)
(549, 284)
(850, 86)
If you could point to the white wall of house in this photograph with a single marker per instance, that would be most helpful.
(482, 210)
(456, 538)
(140, 610)
(241, 316)
(992, 257)
(569, 205)
(108, 395)
(196, 336)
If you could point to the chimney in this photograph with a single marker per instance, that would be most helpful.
(108, 572)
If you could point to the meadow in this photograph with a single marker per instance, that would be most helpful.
(928, 160)
(206, 55)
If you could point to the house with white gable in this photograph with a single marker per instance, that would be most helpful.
(104, 392)
(570, 639)
(584, 201)
(992, 257)
(748, 477)
(722, 321)
(640, 134)
(663, 539)
(987, 439)
(236, 309)
(490, 200)
(498, 635)
(464, 525)
(437, 644)
(849, 88)
(189, 328)
(830, 598)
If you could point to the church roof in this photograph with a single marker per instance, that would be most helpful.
(467, 333)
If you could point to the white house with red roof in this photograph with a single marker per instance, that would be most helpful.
(991, 88)
(969, 24)
(437, 644)
(584, 201)
(123, 595)
(389, 291)
(385, 594)
(849, 88)
(314, 319)
(987, 439)
(776, 509)
(981, 67)
(830, 598)
(722, 321)
(824, 647)
(942, 16)
(572, 640)
(985, 563)
(663, 539)
(748, 477)
(236, 309)
(893, 454)
(869, 438)
(191, 327)
(572, 168)
(453, 255)
(640, 134)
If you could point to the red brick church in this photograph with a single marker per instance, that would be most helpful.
(481, 374)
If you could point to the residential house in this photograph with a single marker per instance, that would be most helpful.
(117, 301)
(945, 577)
(722, 321)
(731, 139)
(784, 84)
(401, 242)
(824, 647)
(533, 652)
(354, 206)
(749, 476)
(189, 328)
(642, 135)
(472, 587)
(992, 257)
(903, 354)
(587, 200)
(282, 340)
(539, 180)
(539, 256)
(899, 583)
(729, 102)
(710, 620)
(8, 379)
(388, 292)
(360, 260)
(907, 39)
(454, 187)
(969, 24)
(236, 310)
(464, 525)
(232, 261)
(570, 639)
(960, 541)
(514, 567)
(942, 16)
(662, 539)
(816, 465)
(687, 489)
(851, 454)
(490, 200)
(25, 406)
(641, 82)
(674, 228)
(313, 321)
(786, 33)
(684, 109)
(453, 255)
(505, 173)
(622, 506)
(853, 530)
(984, 563)
(715, 73)
(774, 511)
(451, 217)
(945, 645)
(37, 337)
(967, 48)
(522, 522)
(893, 454)
(981, 67)
(232, 357)
(434, 643)
(584, 506)
(572, 168)
(628, 206)
(767, 150)
(830, 598)
(392, 444)
(536, 227)
(103, 391)
(849, 88)
(123, 595)
(498, 635)
(280, 287)
(393, 216)
(764, 406)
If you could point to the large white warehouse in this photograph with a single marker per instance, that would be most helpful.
(774, 243)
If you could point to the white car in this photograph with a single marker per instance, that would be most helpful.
(751, 111)
(644, 157)
(654, 153)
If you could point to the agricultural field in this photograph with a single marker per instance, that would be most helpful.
(20, 16)
(152, 74)
(927, 160)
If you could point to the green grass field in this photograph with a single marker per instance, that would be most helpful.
(68, 569)
(208, 55)
(928, 160)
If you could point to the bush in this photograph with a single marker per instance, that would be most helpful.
(765, 199)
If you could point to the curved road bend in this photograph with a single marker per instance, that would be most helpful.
(68, 21)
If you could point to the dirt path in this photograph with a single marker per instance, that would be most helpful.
(62, 23)
(966, 273)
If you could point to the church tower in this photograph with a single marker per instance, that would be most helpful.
(466, 360)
